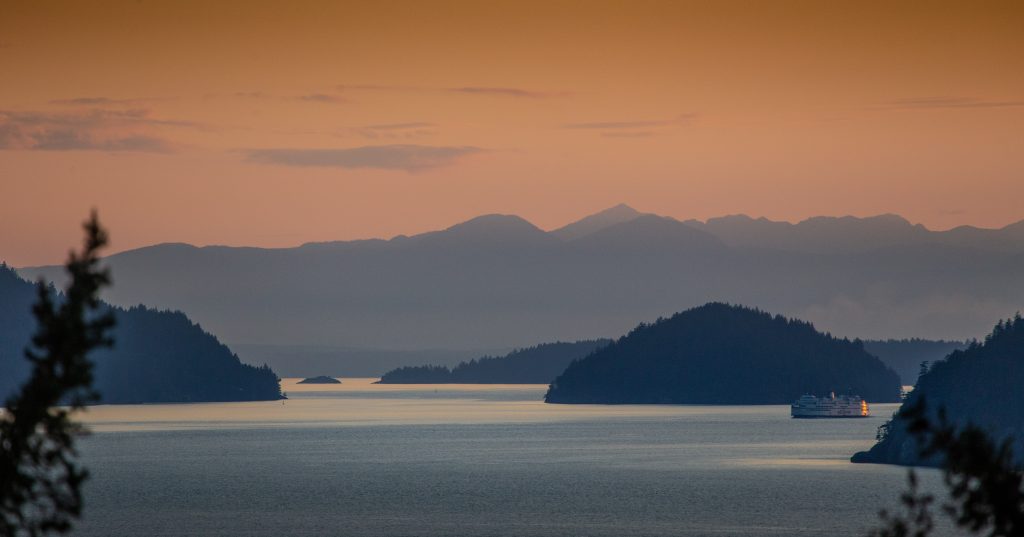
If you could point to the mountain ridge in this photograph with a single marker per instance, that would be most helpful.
(595, 222)
(497, 281)
(1012, 229)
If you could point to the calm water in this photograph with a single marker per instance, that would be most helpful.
(361, 460)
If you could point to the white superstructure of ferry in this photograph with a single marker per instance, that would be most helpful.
(843, 406)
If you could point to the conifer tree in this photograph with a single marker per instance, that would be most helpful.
(40, 478)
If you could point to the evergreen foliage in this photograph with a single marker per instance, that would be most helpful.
(160, 356)
(979, 385)
(40, 480)
(533, 365)
(724, 354)
(982, 476)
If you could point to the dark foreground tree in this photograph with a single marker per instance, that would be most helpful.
(40, 479)
(982, 477)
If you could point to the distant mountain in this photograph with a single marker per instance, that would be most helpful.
(158, 356)
(609, 217)
(497, 280)
(484, 231)
(651, 234)
(906, 355)
(723, 354)
(850, 235)
(821, 234)
(980, 385)
(533, 365)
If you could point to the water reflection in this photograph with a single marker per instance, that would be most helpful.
(459, 460)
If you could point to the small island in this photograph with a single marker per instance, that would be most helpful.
(539, 364)
(322, 379)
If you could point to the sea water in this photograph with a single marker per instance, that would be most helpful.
(360, 459)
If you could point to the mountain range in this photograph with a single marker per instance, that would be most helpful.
(489, 284)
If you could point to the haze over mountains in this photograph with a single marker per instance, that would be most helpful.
(498, 282)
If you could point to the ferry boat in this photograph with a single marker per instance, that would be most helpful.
(843, 406)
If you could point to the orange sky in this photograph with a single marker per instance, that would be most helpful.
(273, 124)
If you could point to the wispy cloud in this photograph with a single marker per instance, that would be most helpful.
(399, 126)
(952, 102)
(414, 129)
(636, 128)
(316, 97)
(322, 98)
(95, 101)
(632, 124)
(378, 87)
(491, 91)
(244, 95)
(94, 130)
(407, 157)
(506, 92)
(629, 134)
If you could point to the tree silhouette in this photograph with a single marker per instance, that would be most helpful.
(161, 356)
(40, 480)
(531, 365)
(724, 354)
(981, 475)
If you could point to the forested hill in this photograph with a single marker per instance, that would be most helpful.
(724, 354)
(980, 384)
(534, 365)
(158, 356)
(906, 355)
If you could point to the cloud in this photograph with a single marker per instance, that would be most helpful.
(322, 98)
(506, 92)
(94, 130)
(72, 140)
(641, 124)
(97, 101)
(93, 101)
(408, 130)
(378, 87)
(399, 126)
(492, 91)
(407, 157)
(629, 134)
(952, 102)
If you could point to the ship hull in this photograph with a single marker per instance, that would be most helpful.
(809, 417)
(809, 406)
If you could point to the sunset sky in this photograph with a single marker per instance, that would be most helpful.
(278, 123)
